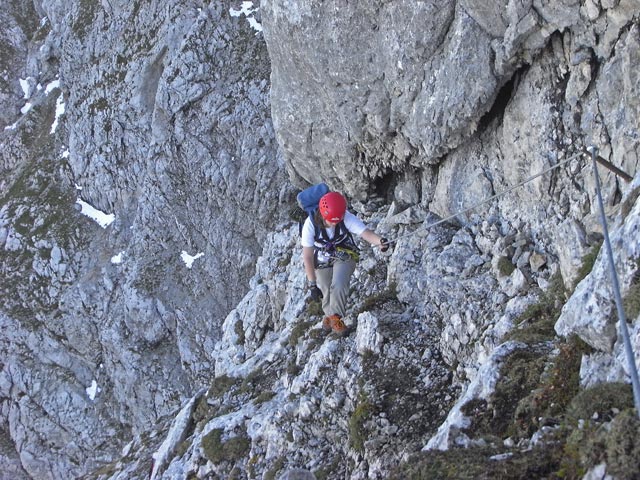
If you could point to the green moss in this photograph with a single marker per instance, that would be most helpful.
(236, 474)
(293, 369)
(629, 202)
(519, 374)
(557, 387)
(587, 263)
(536, 324)
(563, 379)
(314, 309)
(265, 397)
(326, 472)
(616, 443)
(600, 399)
(212, 445)
(534, 389)
(85, 17)
(631, 300)
(37, 181)
(251, 381)
(357, 430)
(239, 329)
(476, 463)
(25, 16)
(251, 466)
(286, 260)
(105, 471)
(182, 448)
(277, 466)
(536, 327)
(297, 214)
(203, 411)
(218, 451)
(572, 464)
(505, 267)
(388, 295)
(622, 445)
(221, 385)
(298, 331)
(136, 8)
(99, 105)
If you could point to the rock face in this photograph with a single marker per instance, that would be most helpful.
(166, 126)
(399, 84)
(172, 335)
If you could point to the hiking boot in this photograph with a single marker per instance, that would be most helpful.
(338, 327)
(328, 322)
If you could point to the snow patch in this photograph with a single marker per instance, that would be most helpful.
(117, 259)
(52, 86)
(103, 219)
(60, 108)
(27, 106)
(247, 10)
(93, 390)
(26, 89)
(24, 84)
(188, 259)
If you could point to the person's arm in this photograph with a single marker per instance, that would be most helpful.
(307, 258)
(355, 225)
(372, 238)
(310, 271)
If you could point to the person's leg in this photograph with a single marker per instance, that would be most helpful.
(339, 291)
(323, 279)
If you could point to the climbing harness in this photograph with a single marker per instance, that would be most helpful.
(340, 247)
(633, 371)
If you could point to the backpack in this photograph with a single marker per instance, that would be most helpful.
(308, 201)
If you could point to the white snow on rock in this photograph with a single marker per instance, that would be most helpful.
(189, 259)
(93, 390)
(117, 259)
(247, 10)
(103, 219)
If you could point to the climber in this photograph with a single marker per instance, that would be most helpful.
(330, 254)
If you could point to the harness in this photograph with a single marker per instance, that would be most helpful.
(327, 250)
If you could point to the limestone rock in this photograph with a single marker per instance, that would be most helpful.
(188, 307)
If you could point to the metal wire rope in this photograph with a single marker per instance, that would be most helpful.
(490, 199)
(624, 331)
(633, 370)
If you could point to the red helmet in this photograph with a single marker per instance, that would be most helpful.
(332, 207)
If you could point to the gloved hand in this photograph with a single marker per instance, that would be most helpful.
(384, 244)
(316, 293)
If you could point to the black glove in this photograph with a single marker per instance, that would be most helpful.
(316, 293)
(384, 244)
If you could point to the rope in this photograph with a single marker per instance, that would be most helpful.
(492, 198)
(633, 371)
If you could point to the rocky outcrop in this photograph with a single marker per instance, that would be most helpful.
(151, 114)
(172, 336)
(402, 85)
